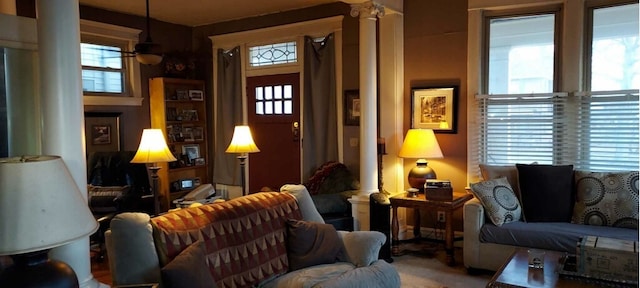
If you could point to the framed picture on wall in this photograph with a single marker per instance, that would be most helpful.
(434, 108)
(102, 131)
(351, 108)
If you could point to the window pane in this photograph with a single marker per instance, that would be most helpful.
(272, 54)
(268, 107)
(615, 59)
(288, 91)
(277, 92)
(521, 54)
(259, 95)
(101, 56)
(278, 107)
(288, 104)
(259, 108)
(268, 93)
(101, 81)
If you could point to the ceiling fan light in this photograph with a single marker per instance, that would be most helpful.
(149, 59)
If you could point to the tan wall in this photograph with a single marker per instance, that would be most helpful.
(435, 46)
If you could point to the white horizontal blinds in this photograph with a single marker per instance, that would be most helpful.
(608, 131)
(592, 131)
(521, 128)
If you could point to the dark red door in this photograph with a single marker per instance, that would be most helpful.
(274, 117)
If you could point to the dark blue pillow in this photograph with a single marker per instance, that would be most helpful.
(546, 192)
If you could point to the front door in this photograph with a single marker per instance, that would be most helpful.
(274, 117)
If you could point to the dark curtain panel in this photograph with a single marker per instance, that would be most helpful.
(320, 116)
(226, 169)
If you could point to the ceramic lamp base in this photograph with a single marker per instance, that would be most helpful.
(419, 175)
(35, 269)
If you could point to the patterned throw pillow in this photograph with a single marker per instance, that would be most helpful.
(606, 199)
(498, 199)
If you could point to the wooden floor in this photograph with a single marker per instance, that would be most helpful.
(100, 269)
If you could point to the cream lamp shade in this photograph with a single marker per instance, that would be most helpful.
(242, 141)
(153, 148)
(41, 206)
(148, 59)
(420, 144)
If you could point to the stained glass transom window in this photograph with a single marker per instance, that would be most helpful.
(273, 54)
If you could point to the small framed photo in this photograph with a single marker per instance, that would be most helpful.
(198, 161)
(101, 134)
(182, 94)
(189, 115)
(196, 95)
(192, 151)
(351, 108)
(198, 133)
(434, 108)
(188, 134)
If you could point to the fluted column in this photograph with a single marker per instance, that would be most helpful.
(63, 111)
(368, 12)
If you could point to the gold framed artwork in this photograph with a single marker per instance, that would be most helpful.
(434, 108)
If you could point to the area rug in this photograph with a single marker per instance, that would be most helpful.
(427, 270)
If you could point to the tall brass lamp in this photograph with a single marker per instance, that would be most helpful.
(41, 208)
(242, 143)
(420, 144)
(153, 149)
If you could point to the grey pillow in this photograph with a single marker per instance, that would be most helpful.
(307, 208)
(310, 244)
(498, 199)
(189, 269)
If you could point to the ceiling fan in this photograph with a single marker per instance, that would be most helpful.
(147, 52)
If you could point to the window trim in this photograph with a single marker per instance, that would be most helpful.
(119, 33)
(571, 69)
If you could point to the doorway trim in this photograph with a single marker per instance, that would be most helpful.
(289, 32)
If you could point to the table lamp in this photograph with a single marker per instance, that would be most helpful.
(420, 144)
(242, 143)
(41, 208)
(153, 149)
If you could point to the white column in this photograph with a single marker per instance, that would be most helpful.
(391, 81)
(23, 105)
(368, 12)
(62, 110)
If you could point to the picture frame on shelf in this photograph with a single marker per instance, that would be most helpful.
(189, 115)
(182, 95)
(198, 161)
(435, 108)
(192, 151)
(196, 95)
(351, 108)
(172, 113)
(187, 134)
(198, 133)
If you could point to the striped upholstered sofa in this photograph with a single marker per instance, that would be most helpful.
(244, 245)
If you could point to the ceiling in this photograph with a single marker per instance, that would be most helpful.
(201, 12)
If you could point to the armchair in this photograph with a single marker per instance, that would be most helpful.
(115, 186)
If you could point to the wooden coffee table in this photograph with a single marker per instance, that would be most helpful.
(516, 273)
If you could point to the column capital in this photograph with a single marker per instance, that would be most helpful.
(368, 9)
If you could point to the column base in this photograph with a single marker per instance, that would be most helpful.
(360, 212)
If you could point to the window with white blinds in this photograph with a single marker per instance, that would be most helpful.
(517, 118)
(592, 131)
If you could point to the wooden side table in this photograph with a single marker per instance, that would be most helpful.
(420, 202)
